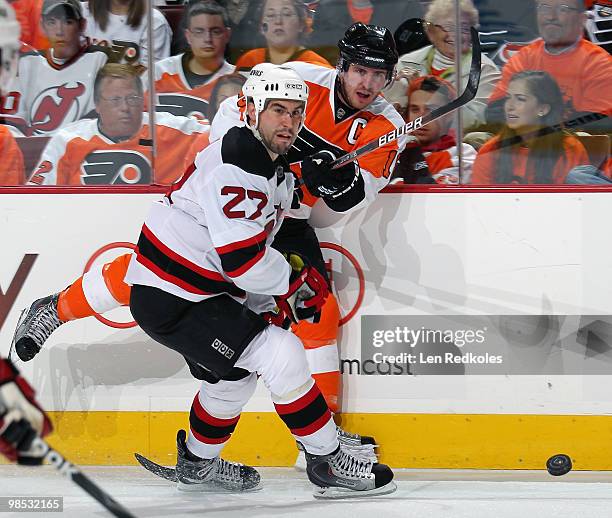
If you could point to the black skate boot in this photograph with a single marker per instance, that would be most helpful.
(343, 475)
(361, 446)
(35, 325)
(211, 475)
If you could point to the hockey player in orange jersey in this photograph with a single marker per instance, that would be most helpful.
(184, 82)
(344, 112)
(116, 149)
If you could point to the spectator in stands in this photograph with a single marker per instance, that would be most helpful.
(29, 14)
(244, 22)
(226, 86)
(56, 84)
(438, 59)
(526, 150)
(284, 25)
(582, 69)
(11, 165)
(185, 81)
(116, 148)
(434, 156)
(122, 25)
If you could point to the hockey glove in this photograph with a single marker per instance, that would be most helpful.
(307, 291)
(277, 317)
(324, 182)
(21, 417)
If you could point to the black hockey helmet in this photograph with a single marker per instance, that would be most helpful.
(371, 46)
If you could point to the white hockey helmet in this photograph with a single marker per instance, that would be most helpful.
(9, 45)
(268, 81)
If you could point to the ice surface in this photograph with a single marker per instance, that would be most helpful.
(422, 494)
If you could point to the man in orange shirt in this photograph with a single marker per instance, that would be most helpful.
(29, 14)
(582, 69)
(11, 168)
(116, 148)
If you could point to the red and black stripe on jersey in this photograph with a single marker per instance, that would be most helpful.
(172, 267)
(238, 257)
(305, 415)
(207, 428)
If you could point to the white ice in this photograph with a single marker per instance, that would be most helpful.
(422, 494)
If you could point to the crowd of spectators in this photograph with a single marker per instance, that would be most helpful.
(532, 120)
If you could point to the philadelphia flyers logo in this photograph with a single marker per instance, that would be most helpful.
(117, 167)
(121, 51)
(182, 105)
(56, 106)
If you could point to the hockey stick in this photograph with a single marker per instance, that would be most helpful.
(40, 448)
(468, 94)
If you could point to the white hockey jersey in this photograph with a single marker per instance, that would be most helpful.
(53, 95)
(129, 44)
(323, 130)
(211, 234)
(174, 95)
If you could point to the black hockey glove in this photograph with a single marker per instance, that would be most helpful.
(324, 182)
(22, 419)
(307, 291)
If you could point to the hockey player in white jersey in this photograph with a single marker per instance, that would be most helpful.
(56, 85)
(204, 273)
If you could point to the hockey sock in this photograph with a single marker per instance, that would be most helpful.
(207, 433)
(309, 420)
(320, 344)
(72, 303)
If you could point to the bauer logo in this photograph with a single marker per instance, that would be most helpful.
(223, 349)
(483, 344)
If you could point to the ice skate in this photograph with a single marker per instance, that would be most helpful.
(341, 474)
(212, 475)
(361, 446)
(35, 325)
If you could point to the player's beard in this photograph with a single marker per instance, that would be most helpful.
(276, 147)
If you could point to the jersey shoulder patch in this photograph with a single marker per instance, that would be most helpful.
(241, 148)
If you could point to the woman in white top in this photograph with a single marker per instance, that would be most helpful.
(122, 26)
(438, 59)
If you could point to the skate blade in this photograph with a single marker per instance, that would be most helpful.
(12, 354)
(205, 487)
(156, 469)
(334, 493)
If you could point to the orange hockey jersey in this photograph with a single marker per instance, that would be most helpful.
(175, 95)
(80, 155)
(11, 165)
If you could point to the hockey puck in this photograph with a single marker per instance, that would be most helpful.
(559, 465)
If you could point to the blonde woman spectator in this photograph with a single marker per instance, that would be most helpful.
(122, 26)
(438, 59)
(284, 25)
(519, 153)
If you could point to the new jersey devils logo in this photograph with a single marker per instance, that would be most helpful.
(56, 106)
(117, 167)
(182, 104)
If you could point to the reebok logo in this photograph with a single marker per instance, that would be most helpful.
(420, 165)
(223, 349)
(293, 86)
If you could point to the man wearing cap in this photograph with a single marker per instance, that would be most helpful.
(56, 85)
